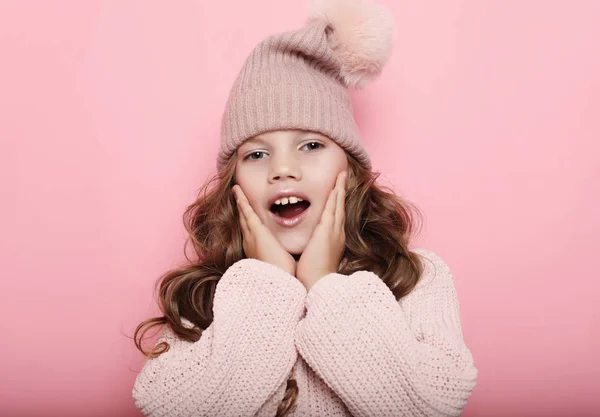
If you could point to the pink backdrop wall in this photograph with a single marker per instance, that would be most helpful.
(487, 117)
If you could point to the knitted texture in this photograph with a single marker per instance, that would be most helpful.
(290, 81)
(361, 352)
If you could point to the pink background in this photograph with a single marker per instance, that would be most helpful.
(487, 117)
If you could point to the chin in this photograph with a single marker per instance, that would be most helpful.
(293, 246)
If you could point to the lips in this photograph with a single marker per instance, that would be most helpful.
(288, 208)
(288, 222)
(286, 194)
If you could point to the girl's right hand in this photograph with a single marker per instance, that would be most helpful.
(258, 242)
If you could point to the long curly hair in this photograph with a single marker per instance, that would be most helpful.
(379, 226)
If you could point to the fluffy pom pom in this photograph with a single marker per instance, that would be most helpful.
(362, 36)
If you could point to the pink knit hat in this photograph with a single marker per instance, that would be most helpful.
(300, 80)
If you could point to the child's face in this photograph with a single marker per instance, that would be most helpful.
(297, 163)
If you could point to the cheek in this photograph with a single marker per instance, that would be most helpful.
(323, 178)
(253, 194)
(257, 203)
(251, 190)
(320, 193)
(330, 166)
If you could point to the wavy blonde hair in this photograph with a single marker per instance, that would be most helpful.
(379, 226)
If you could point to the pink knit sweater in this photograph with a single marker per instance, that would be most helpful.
(355, 349)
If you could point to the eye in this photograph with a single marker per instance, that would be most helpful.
(255, 155)
(312, 146)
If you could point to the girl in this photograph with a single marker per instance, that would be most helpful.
(304, 298)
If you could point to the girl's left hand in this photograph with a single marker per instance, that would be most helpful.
(324, 250)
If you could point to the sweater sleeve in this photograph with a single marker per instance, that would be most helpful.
(388, 358)
(241, 361)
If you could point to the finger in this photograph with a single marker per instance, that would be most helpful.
(236, 189)
(337, 187)
(334, 195)
(340, 210)
(252, 219)
(328, 215)
(243, 222)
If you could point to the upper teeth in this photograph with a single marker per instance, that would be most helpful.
(286, 200)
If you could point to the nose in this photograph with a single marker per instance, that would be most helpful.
(284, 166)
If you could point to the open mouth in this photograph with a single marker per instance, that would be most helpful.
(289, 208)
(289, 211)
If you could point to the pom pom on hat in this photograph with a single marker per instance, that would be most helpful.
(362, 35)
(299, 79)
